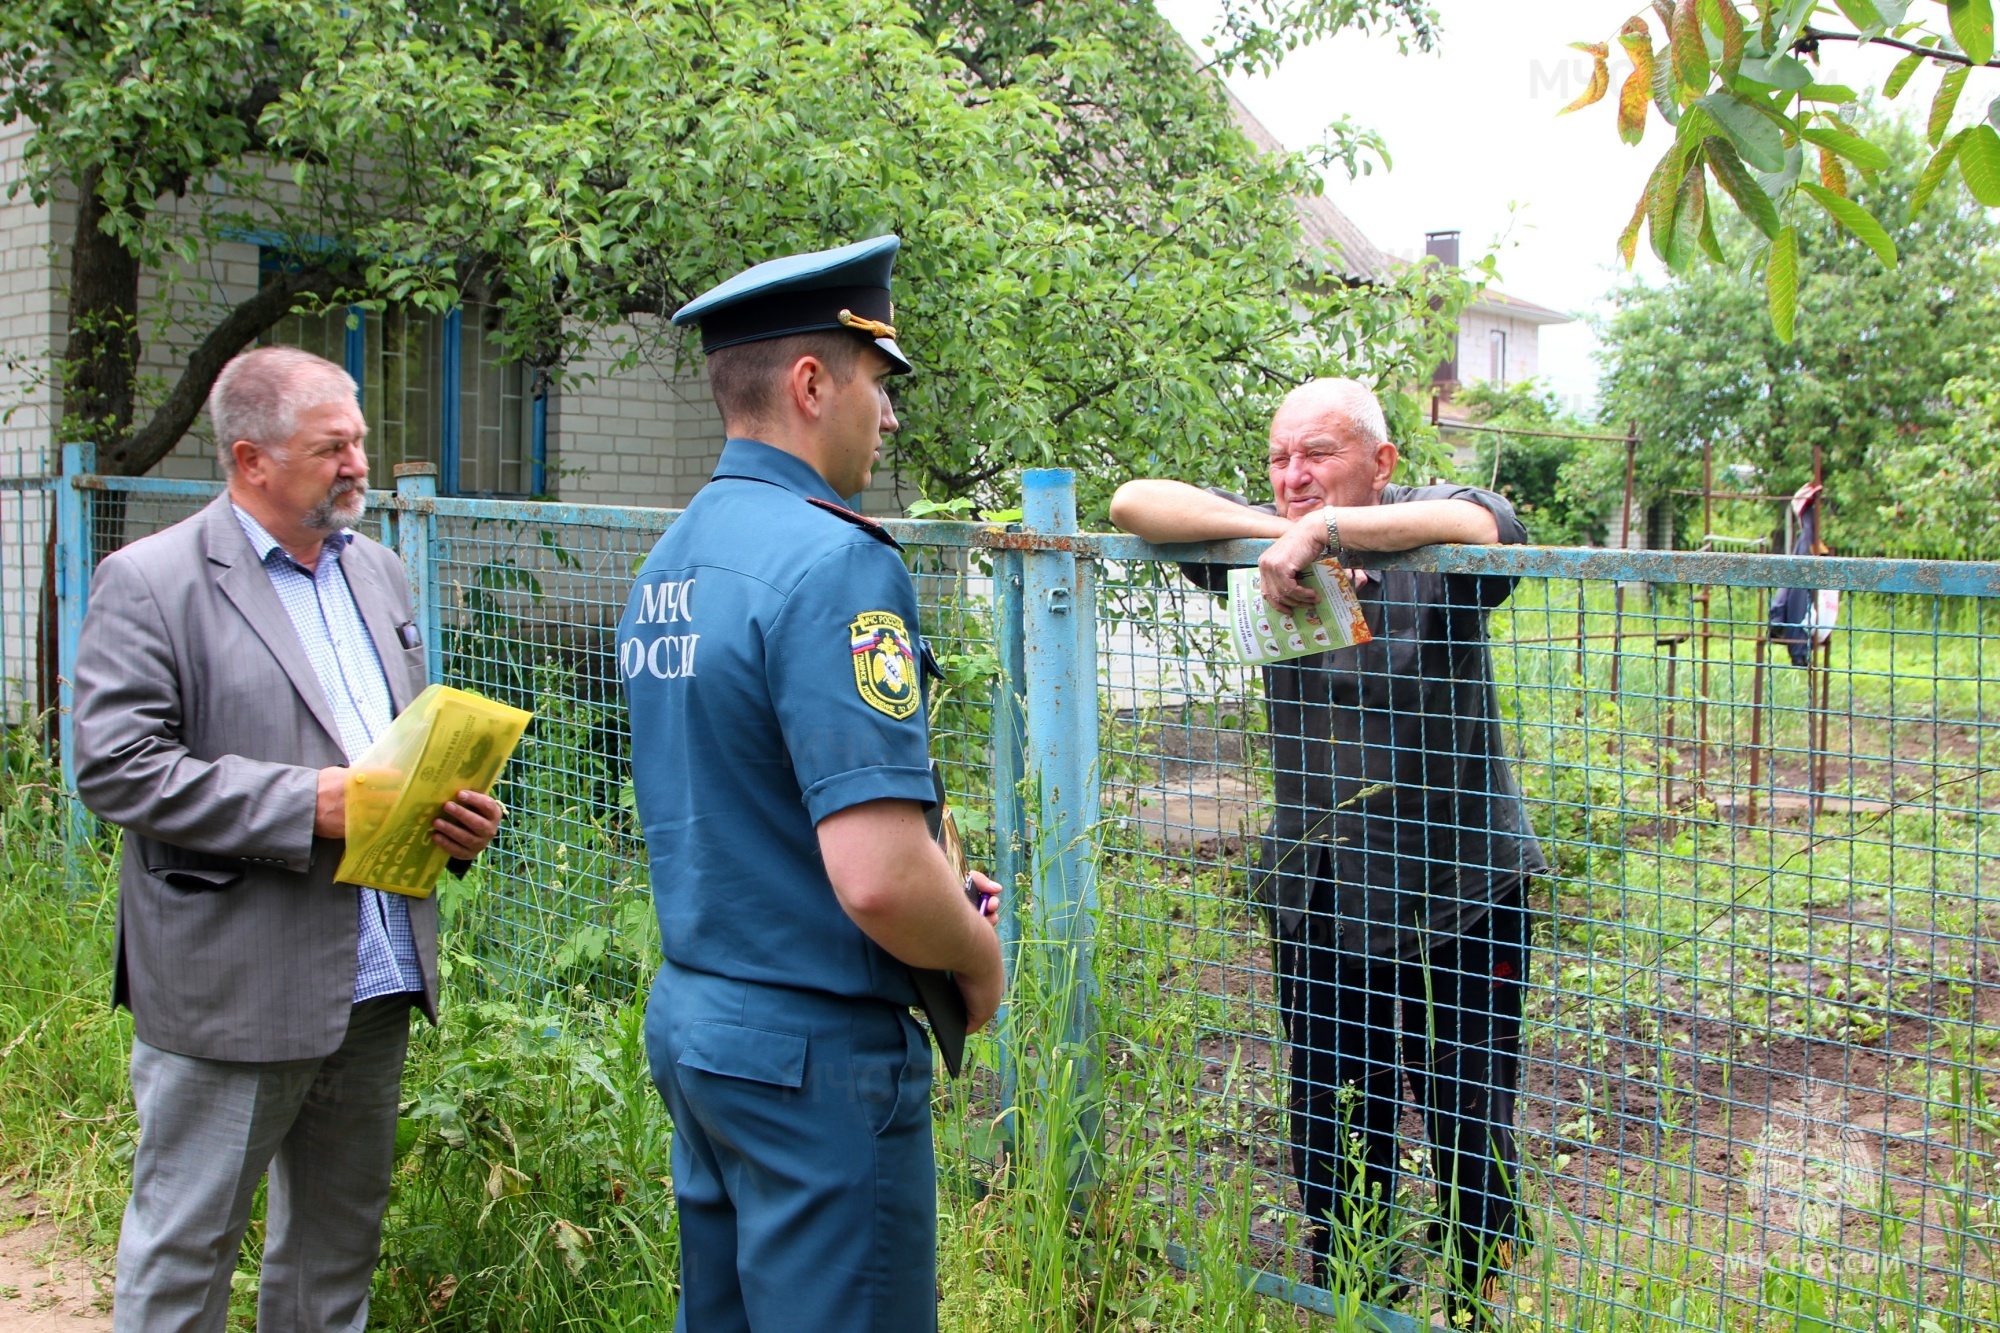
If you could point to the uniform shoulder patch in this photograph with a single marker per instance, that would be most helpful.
(885, 663)
(862, 521)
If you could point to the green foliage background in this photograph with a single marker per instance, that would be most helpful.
(1891, 378)
(1099, 270)
(1565, 490)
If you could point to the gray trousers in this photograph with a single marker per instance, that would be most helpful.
(325, 1128)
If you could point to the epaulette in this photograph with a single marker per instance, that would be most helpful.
(862, 521)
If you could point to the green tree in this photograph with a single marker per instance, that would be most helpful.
(1943, 483)
(1733, 82)
(1099, 270)
(1564, 488)
(1695, 360)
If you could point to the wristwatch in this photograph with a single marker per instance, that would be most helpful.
(1333, 546)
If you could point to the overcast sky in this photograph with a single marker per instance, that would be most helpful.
(1478, 146)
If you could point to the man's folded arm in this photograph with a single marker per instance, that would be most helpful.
(133, 771)
(1162, 511)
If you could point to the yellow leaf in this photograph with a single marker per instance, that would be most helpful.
(503, 1180)
(1637, 40)
(1600, 79)
(1832, 172)
(1628, 240)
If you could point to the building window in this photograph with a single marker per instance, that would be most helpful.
(434, 389)
(1497, 350)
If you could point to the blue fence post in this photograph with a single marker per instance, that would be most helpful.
(76, 513)
(416, 543)
(1059, 662)
(1010, 814)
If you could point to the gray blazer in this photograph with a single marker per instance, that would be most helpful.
(200, 729)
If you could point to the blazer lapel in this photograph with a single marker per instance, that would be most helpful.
(381, 612)
(244, 582)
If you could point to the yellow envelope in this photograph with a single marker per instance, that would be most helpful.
(447, 741)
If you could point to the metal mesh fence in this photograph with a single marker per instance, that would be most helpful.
(1757, 1008)
(528, 596)
(525, 611)
(1754, 1005)
(27, 534)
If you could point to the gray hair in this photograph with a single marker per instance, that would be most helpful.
(259, 395)
(1348, 400)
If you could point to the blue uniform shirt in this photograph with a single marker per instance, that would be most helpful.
(770, 657)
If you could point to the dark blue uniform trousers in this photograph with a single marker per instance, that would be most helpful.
(803, 1174)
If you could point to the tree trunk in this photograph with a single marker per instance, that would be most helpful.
(101, 362)
(100, 367)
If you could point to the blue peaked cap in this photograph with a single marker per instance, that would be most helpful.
(843, 288)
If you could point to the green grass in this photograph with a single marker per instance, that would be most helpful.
(64, 1103)
(531, 1191)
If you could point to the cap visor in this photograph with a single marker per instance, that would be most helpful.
(895, 354)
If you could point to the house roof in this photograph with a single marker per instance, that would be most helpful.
(1361, 260)
(1493, 301)
(1325, 226)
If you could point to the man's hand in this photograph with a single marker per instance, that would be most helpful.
(330, 805)
(989, 898)
(1278, 569)
(467, 825)
(983, 994)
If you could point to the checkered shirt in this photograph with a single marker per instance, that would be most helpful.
(349, 669)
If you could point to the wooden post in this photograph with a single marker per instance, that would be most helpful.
(1673, 646)
(1705, 597)
(1624, 543)
(1819, 669)
(1756, 724)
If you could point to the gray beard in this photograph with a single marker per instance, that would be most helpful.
(337, 511)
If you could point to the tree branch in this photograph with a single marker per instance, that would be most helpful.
(1811, 34)
(139, 451)
(657, 303)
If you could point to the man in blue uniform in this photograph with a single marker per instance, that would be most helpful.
(770, 651)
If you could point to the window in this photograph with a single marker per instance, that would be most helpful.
(1497, 349)
(434, 389)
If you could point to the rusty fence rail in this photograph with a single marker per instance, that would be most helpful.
(1761, 1007)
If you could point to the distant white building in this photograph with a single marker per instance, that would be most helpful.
(1499, 336)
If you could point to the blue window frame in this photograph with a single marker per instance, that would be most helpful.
(435, 389)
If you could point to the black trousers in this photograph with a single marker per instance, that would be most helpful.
(1455, 1019)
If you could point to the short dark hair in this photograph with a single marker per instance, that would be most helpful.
(744, 377)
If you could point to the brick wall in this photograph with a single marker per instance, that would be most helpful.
(28, 321)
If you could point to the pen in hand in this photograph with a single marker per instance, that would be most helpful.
(981, 900)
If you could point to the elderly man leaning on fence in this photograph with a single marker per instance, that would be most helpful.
(230, 667)
(1396, 865)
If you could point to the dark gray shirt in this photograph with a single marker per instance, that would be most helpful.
(1396, 820)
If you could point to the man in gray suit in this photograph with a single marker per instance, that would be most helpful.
(230, 668)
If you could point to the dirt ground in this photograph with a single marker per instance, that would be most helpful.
(45, 1287)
